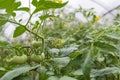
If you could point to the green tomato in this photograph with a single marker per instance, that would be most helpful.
(37, 58)
(42, 56)
(19, 59)
(7, 60)
(36, 44)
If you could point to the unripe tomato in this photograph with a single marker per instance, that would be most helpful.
(36, 44)
(37, 58)
(7, 60)
(19, 59)
(42, 56)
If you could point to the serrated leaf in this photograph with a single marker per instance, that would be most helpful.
(16, 72)
(86, 68)
(67, 51)
(61, 62)
(105, 46)
(44, 5)
(105, 71)
(67, 78)
(19, 31)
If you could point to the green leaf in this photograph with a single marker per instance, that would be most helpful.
(2, 69)
(44, 17)
(61, 62)
(67, 78)
(86, 68)
(53, 78)
(42, 70)
(67, 51)
(24, 9)
(101, 72)
(3, 43)
(19, 31)
(44, 5)
(16, 72)
(78, 72)
(105, 71)
(9, 5)
(25, 77)
(54, 52)
(3, 19)
(113, 35)
(76, 54)
(105, 46)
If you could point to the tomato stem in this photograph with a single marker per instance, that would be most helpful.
(43, 42)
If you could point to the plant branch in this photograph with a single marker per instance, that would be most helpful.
(29, 19)
(31, 32)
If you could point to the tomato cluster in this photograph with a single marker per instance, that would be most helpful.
(22, 59)
(18, 59)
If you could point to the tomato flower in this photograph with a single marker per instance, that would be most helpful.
(58, 1)
(97, 18)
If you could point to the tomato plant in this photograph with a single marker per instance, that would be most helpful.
(65, 49)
